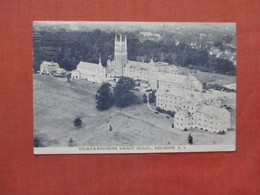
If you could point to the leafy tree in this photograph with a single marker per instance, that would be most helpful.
(123, 92)
(152, 97)
(104, 97)
(190, 139)
(77, 122)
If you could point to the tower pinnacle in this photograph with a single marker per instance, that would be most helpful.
(99, 59)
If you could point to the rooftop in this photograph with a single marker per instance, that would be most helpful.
(220, 113)
(87, 66)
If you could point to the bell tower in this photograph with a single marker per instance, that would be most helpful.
(120, 54)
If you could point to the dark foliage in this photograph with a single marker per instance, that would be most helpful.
(68, 48)
(104, 97)
(37, 142)
(77, 122)
(170, 113)
(144, 98)
(152, 97)
(123, 92)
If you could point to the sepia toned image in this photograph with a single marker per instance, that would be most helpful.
(133, 87)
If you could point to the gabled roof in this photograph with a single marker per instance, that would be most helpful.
(50, 63)
(216, 112)
(91, 67)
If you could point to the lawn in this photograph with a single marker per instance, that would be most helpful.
(209, 78)
(57, 103)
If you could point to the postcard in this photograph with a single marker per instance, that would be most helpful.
(133, 87)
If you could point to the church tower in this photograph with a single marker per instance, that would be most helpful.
(120, 54)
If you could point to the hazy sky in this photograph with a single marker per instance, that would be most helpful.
(131, 25)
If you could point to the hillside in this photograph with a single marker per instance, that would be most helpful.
(57, 103)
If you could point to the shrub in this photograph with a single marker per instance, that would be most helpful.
(170, 113)
(77, 122)
(152, 97)
(71, 142)
(37, 142)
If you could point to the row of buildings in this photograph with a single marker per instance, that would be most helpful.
(176, 92)
(194, 109)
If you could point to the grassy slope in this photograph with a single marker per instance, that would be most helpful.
(57, 103)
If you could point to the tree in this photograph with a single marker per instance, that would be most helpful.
(144, 98)
(190, 139)
(104, 97)
(77, 122)
(123, 92)
(37, 142)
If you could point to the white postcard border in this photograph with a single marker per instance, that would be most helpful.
(133, 149)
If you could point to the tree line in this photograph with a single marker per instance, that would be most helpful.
(69, 48)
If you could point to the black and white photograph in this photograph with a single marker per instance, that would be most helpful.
(133, 87)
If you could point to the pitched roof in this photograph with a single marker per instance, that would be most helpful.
(91, 67)
(50, 63)
(179, 92)
(214, 111)
(231, 86)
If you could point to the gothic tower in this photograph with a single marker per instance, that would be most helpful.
(120, 54)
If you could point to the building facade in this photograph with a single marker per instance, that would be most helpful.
(90, 71)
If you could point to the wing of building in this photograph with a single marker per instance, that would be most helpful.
(90, 71)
